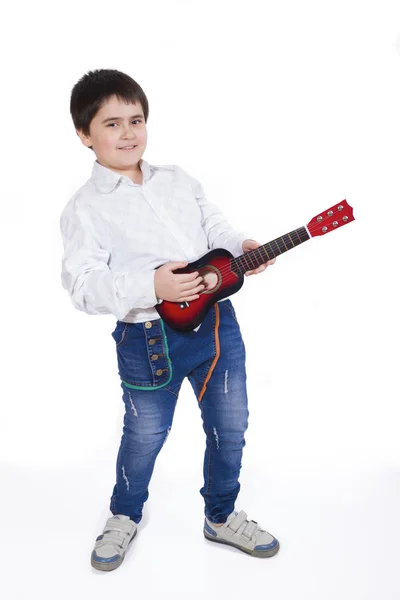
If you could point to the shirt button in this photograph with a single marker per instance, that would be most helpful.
(154, 357)
(151, 342)
(159, 372)
(148, 324)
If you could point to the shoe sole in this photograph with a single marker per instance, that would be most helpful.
(258, 553)
(100, 566)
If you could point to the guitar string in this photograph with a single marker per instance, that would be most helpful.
(311, 228)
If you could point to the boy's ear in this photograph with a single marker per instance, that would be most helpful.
(84, 138)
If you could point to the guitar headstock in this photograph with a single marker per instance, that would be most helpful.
(331, 219)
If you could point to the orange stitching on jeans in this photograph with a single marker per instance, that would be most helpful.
(214, 362)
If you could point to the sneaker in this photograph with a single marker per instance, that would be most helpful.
(245, 535)
(110, 547)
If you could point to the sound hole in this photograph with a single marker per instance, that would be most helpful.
(211, 279)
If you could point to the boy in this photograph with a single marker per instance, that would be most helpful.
(128, 219)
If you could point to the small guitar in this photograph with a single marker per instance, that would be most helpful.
(223, 275)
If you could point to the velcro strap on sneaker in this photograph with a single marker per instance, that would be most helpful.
(249, 530)
(237, 521)
(123, 526)
(116, 533)
(113, 538)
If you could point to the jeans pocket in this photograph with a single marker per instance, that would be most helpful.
(119, 333)
(142, 354)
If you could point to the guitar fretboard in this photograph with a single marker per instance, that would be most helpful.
(254, 258)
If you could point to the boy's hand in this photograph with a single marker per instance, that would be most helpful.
(252, 245)
(177, 287)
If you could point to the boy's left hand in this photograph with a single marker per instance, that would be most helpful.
(252, 245)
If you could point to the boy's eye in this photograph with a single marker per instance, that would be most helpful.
(134, 121)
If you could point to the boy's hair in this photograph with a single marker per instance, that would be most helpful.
(95, 88)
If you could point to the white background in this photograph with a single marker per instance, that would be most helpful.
(280, 109)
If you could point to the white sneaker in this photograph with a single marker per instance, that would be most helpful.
(243, 534)
(110, 547)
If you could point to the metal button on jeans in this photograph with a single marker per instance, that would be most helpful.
(152, 341)
(154, 357)
(148, 324)
(159, 372)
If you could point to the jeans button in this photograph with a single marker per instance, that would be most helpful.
(148, 324)
(154, 357)
(159, 372)
(152, 341)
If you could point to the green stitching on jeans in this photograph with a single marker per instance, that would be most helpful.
(157, 387)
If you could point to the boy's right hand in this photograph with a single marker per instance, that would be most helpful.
(177, 287)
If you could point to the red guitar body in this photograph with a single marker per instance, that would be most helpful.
(220, 282)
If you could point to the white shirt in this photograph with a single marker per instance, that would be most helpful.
(116, 232)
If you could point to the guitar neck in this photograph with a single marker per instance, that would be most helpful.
(254, 258)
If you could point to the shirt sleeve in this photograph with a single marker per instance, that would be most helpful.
(93, 287)
(220, 234)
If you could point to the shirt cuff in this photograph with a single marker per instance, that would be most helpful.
(234, 243)
(139, 292)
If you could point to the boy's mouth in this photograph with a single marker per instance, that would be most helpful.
(128, 148)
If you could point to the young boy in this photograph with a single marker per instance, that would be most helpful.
(129, 218)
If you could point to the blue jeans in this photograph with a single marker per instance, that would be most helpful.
(153, 359)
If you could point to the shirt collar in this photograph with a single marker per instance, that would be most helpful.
(106, 179)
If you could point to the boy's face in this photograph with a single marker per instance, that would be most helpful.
(115, 126)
